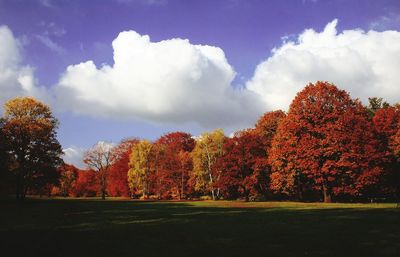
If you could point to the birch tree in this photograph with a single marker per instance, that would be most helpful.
(209, 147)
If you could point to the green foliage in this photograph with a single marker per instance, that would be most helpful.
(374, 104)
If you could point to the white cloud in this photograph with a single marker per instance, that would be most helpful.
(16, 79)
(386, 22)
(74, 155)
(49, 43)
(167, 81)
(364, 63)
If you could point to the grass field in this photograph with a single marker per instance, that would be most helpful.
(90, 227)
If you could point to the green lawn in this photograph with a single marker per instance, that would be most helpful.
(87, 227)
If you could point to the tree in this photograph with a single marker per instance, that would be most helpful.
(395, 173)
(265, 129)
(267, 125)
(139, 173)
(5, 178)
(209, 147)
(86, 184)
(68, 176)
(386, 123)
(175, 161)
(100, 158)
(31, 139)
(327, 140)
(375, 104)
(118, 175)
(239, 165)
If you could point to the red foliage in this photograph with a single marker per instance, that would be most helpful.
(386, 123)
(173, 164)
(326, 141)
(117, 181)
(86, 184)
(266, 126)
(241, 172)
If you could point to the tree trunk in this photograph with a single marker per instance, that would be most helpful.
(299, 188)
(212, 186)
(18, 192)
(181, 195)
(103, 185)
(327, 193)
(212, 194)
(144, 189)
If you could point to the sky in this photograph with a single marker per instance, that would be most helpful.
(114, 69)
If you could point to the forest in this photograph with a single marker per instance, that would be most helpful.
(327, 147)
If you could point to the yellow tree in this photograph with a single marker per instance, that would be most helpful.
(140, 167)
(30, 136)
(209, 147)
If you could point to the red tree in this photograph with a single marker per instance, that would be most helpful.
(240, 173)
(327, 141)
(117, 176)
(267, 125)
(174, 163)
(386, 123)
(86, 184)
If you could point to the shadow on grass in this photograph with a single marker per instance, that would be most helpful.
(129, 228)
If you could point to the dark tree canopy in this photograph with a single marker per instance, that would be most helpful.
(33, 150)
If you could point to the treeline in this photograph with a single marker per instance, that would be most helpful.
(327, 147)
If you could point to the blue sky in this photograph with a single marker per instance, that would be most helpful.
(203, 65)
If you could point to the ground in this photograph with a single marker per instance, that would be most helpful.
(118, 227)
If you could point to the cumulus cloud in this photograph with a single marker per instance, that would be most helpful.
(16, 79)
(167, 81)
(74, 155)
(364, 63)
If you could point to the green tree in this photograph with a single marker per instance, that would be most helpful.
(31, 140)
(374, 104)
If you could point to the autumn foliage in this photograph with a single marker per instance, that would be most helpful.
(325, 144)
(327, 147)
(118, 174)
